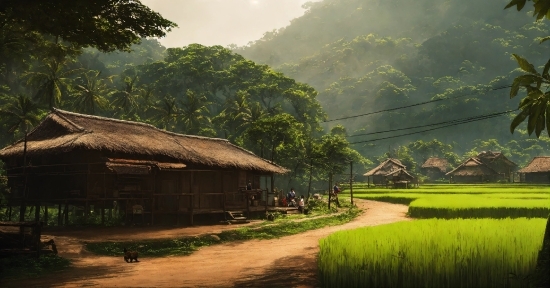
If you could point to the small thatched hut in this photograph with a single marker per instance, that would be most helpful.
(380, 173)
(537, 171)
(435, 168)
(472, 171)
(401, 178)
(498, 162)
(88, 161)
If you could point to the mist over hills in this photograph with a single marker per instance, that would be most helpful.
(370, 55)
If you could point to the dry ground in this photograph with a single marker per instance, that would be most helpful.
(284, 262)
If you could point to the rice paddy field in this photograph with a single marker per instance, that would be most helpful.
(471, 236)
(465, 201)
(433, 253)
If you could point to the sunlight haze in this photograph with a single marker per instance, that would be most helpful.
(224, 22)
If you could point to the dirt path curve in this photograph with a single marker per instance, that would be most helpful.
(285, 262)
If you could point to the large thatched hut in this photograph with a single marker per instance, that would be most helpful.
(537, 171)
(382, 173)
(472, 171)
(435, 168)
(98, 163)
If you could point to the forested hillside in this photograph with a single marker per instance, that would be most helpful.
(370, 55)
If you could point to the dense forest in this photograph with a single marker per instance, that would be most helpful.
(279, 95)
(369, 55)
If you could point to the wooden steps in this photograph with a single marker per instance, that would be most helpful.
(235, 217)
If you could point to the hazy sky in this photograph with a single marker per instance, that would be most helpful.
(224, 22)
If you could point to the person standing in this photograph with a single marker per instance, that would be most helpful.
(335, 191)
(301, 204)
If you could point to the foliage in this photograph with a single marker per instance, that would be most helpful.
(433, 253)
(107, 24)
(25, 266)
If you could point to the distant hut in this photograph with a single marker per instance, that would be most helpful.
(435, 168)
(88, 161)
(472, 171)
(380, 173)
(537, 171)
(401, 178)
(498, 162)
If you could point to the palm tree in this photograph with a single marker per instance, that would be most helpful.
(254, 112)
(231, 117)
(125, 100)
(90, 93)
(194, 112)
(51, 80)
(166, 113)
(20, 114)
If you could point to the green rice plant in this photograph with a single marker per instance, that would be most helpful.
(433, 253)
(458, 189)
(474, 206)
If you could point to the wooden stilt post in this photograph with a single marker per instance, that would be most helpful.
(59, 214)
(37, 212)
(9, 212)
(66, 212)
(153, 211)
(103, 212)
(178, 212)
(86, 211)
(46, 214)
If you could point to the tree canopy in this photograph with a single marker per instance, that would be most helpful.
(107, 25)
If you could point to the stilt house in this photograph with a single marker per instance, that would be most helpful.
(97, 163)
(499, 163)
(382, 173)
(472, 171)
(537, 171)
(435, 168)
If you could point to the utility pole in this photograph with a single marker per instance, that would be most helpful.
(351, 180)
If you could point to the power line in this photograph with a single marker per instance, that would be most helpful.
(414, 105)
(480, 117)
(453, 124)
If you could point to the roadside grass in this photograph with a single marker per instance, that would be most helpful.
(187, 245)
(26, 266)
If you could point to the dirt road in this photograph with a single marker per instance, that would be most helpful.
(285, 262)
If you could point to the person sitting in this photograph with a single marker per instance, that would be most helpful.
(291, 195)
(301, 204)
(249, 186)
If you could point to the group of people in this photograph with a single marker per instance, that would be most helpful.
(291, 200)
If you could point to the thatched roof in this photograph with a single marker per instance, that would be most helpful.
(439, 163)
(492, 157)
(537, 165)
(385, 167)
(472, 167)
(63, 131)
(400, 172)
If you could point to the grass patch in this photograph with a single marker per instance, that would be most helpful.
(26, 266)
(186, 246)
